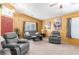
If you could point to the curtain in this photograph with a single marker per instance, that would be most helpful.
(69, 27)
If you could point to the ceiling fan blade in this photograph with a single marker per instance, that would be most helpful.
(53, 4)
(61, 6)
(74, 3)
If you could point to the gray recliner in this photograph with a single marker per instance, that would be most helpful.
(4, 51)
(55, 37)
(27, 35)
(12, 39)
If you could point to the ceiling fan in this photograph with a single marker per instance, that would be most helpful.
(61, 5)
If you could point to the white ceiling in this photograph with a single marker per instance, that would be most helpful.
(43, 11)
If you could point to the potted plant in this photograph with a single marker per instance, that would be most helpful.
(17, 31)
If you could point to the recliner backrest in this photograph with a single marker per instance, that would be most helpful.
(11, 37)
(55, 33)
(27, 33)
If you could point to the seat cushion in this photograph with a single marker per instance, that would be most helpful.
(11, 40)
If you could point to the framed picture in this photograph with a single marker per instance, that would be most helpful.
(48, 25)
(57, 23)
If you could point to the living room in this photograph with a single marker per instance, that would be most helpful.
(37, 26)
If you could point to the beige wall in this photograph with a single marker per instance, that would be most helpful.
(19, 18)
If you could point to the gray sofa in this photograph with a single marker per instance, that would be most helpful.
(13, 41)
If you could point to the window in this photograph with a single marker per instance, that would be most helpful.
(30, 26)
(75, 27)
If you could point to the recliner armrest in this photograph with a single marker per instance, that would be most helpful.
(11, 46)
(7, 51)
(22, 41)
